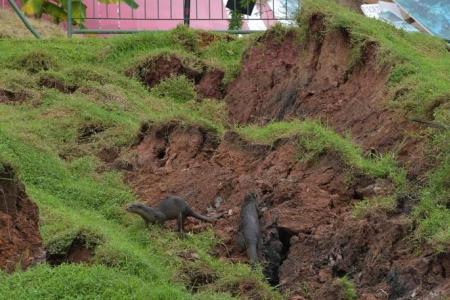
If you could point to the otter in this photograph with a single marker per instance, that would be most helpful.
(170, 208)
(249, 235)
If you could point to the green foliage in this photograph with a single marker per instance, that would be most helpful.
(348, 288)
(58, 10)
(178, 88)
(235, 22)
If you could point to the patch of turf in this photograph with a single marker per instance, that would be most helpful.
(178, 88)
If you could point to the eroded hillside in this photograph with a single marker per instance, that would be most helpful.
(340, 126)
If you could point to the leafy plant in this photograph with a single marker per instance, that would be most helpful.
(235, 21)
(237, 13)
(58, 9)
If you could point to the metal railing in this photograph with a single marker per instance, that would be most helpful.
(154, 15)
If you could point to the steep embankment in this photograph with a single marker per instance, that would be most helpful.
(20, 240)
(318, 120)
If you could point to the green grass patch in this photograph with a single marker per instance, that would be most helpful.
(373, 205)
(178, 88)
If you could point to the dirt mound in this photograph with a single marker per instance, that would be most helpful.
(79, 251)
(8, 96)
(208, 80)
(320, 78)
(20, 240)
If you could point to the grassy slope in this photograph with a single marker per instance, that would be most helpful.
(73, 198)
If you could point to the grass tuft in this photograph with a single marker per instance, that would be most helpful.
(178, 88)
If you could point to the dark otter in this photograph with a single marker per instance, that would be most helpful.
(170, 208)
(249, 236)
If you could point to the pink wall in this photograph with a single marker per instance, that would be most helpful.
(159, 13)
(167, 14)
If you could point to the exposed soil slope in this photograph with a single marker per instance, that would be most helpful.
(20, 240)
(320, 78)
(307, 206)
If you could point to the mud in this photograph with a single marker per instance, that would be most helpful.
(20, 240)
(208, 80)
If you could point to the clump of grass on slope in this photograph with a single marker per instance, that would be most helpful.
(178, 88)
(348, 287)
(222, 53)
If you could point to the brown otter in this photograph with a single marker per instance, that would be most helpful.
(170, 208)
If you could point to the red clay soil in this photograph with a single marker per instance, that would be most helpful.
(20, 240)
(318, 79)
(208, 81)
(309, 205)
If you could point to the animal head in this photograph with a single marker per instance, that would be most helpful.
(142, 210)
(250, 197)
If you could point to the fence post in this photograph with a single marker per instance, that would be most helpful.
(187, 12)
(69, 18)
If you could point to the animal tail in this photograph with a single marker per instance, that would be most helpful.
(252, 255)
(200, 217)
